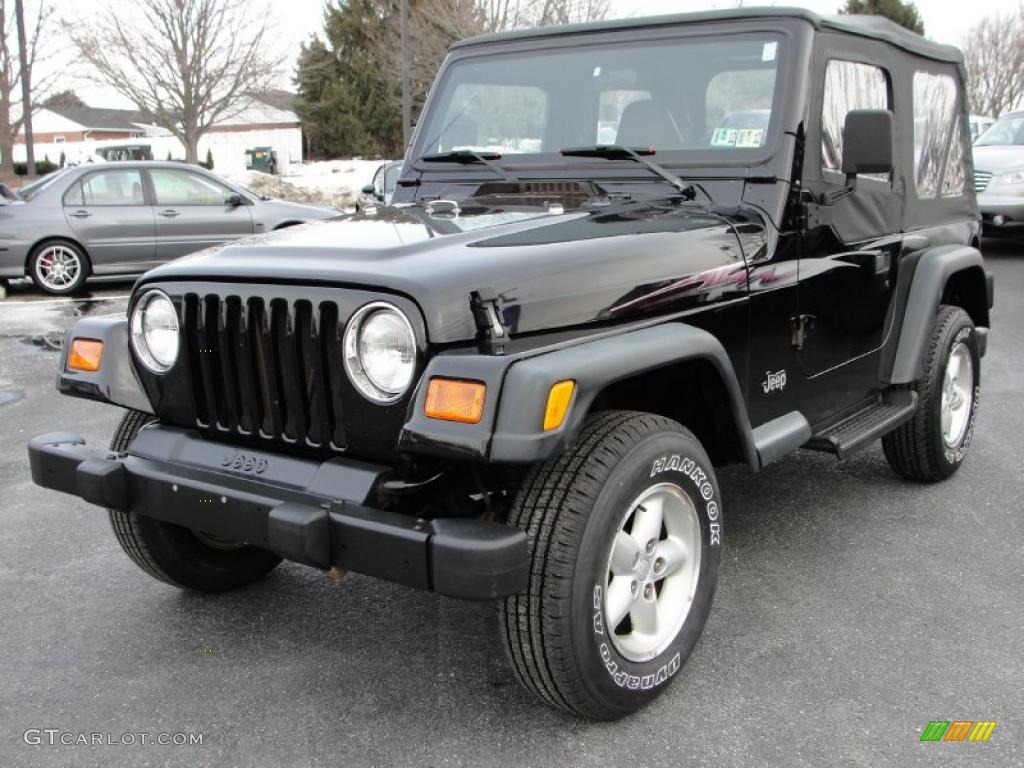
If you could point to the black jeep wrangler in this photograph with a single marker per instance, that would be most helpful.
(619, 256)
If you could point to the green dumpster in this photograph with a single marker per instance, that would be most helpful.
(261, 159)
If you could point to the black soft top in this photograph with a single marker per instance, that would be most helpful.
(874, 27)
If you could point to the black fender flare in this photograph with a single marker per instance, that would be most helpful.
(116, 381)
(519, 436)
(931, 274)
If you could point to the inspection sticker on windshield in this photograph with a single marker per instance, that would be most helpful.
(768, 51)
(749, 137)
(724, 137)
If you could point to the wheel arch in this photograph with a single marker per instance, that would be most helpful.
(952, 274)
(286, 224)
(695, 385)
(55, 239)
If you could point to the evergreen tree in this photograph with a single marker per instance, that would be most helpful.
(65, 98)
(347, 103)
(903, 13)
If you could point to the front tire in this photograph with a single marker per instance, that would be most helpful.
(176, 555)
(933, 444)
(625, 540)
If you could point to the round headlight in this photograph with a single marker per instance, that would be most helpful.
(155, 332)
(380, 352)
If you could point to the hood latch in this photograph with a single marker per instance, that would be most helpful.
(486, 307)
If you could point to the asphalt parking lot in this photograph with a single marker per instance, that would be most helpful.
(853, 608)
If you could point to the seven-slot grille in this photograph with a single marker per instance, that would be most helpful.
(267, 367)
(981, 180)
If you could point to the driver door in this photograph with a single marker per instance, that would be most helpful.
(850, 253)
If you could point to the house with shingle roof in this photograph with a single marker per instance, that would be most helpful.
(77, 132)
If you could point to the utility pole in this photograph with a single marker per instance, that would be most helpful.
(26, 92)
(406, 103)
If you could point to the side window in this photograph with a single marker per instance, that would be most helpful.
(73, 197)
(391, 178)
(849, 85)
(940, 168)
(610, 107)
(184, 188)
(107, 188)
(378, 182)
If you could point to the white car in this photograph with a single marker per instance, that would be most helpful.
(979, 124)
(999, 174)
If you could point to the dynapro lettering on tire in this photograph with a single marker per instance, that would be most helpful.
(622, 678)
(557, 633)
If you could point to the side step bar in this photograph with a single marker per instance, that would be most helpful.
(860, 429)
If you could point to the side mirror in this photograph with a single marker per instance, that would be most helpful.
(867, 142)
(235, 200)
(867, 148)
(368, 189)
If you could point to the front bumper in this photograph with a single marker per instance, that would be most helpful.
(1009, 207)
(306, 511)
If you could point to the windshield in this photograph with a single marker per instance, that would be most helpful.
(1008, 130)
(682, 96)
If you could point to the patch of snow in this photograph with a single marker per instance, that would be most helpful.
(335, 183)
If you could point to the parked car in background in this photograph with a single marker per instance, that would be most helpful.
(124, 218)
(380, 190)
(999, 174)
(124, 152)
(979, 124)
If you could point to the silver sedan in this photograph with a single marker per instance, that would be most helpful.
(124, 218)
(999, 175)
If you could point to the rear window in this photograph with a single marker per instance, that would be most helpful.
(120, 187)
(940, 162)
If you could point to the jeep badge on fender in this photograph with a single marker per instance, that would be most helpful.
(619, 257)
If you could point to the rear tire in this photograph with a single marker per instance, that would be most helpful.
(59, 267)
(598, 631)
(933, 444)
(176, 555)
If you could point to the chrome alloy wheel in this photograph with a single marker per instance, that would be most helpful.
(957, 394)
(58, 267)
(652, 572)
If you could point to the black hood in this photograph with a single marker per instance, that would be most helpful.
(550, 269)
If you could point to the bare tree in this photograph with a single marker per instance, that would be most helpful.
(436, 24)
(500, 15)
(994, 56)
(189, 63)
(11, 111)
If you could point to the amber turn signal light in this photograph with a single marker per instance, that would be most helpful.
(85, 355)
(559, 399)
(455, 400)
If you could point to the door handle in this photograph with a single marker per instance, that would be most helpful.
(169, 213)
(80, 214)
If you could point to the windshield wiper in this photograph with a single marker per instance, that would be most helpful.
(619, 152)
(467, 156)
